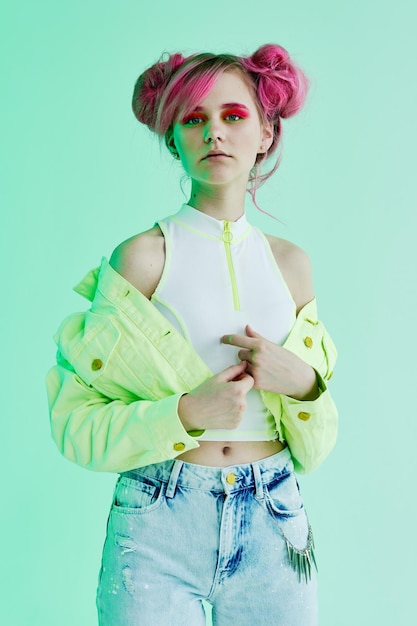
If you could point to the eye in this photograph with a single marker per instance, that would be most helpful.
(192, 120)
(235, 116)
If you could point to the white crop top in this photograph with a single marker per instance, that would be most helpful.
(218, 277)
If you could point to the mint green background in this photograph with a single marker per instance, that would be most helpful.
(80, 175)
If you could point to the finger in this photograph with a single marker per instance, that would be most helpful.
(238, 340)
(249, 370)
(232, 372)
(246, 355)
(246, 381)
(251, 333)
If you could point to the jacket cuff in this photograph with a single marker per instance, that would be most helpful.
(166, 428)
(322, 387)
(304, 410)
(310, 428)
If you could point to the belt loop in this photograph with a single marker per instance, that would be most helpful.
(173, 478)
(259, 490)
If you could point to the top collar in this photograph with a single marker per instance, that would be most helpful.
(208, 225)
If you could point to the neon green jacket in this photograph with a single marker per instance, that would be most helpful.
(122, 368)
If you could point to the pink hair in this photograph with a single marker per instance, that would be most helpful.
(170, 88)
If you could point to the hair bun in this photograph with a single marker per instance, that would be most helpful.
(270, 57)
(150, 86)
(282, 86)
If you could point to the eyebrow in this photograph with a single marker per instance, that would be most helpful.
(227, 105)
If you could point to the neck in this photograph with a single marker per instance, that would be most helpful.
(221, 202)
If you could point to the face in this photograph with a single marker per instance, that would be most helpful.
(226, 120)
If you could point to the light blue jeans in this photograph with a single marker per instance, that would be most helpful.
(237, 537)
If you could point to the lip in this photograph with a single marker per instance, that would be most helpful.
(214, 153)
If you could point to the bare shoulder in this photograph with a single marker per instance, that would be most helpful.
(140, 260)
(295, 267)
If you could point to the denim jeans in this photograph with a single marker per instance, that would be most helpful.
(237, 537)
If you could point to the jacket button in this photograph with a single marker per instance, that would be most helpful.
(97, 364)
(179, 446)
(303, 415)
(308, 342)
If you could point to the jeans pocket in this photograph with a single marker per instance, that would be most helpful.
(282, 496)
(283, 501)
(133, 496)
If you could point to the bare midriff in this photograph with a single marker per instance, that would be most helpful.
(224, 453)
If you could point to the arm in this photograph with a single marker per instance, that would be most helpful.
(309, 426)
(116, 435)
(104, 427)
(307, 422)
(107, 435)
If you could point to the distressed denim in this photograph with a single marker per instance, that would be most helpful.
(237, 537)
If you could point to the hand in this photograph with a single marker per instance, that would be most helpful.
(274, 368)
(219, 402)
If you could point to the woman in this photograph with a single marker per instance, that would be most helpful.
(198, 372)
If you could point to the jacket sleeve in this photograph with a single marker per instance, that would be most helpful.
(108, 435)
(309, 426)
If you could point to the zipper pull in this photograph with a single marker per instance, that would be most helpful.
(227, 233)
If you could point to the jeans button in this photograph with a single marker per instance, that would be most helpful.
(231, 479)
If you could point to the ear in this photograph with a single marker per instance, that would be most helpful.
(172, 148)
(267, 137)
(171, 144)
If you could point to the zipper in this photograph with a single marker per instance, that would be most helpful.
(227, 240)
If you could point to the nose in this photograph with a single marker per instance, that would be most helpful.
(213, 132)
